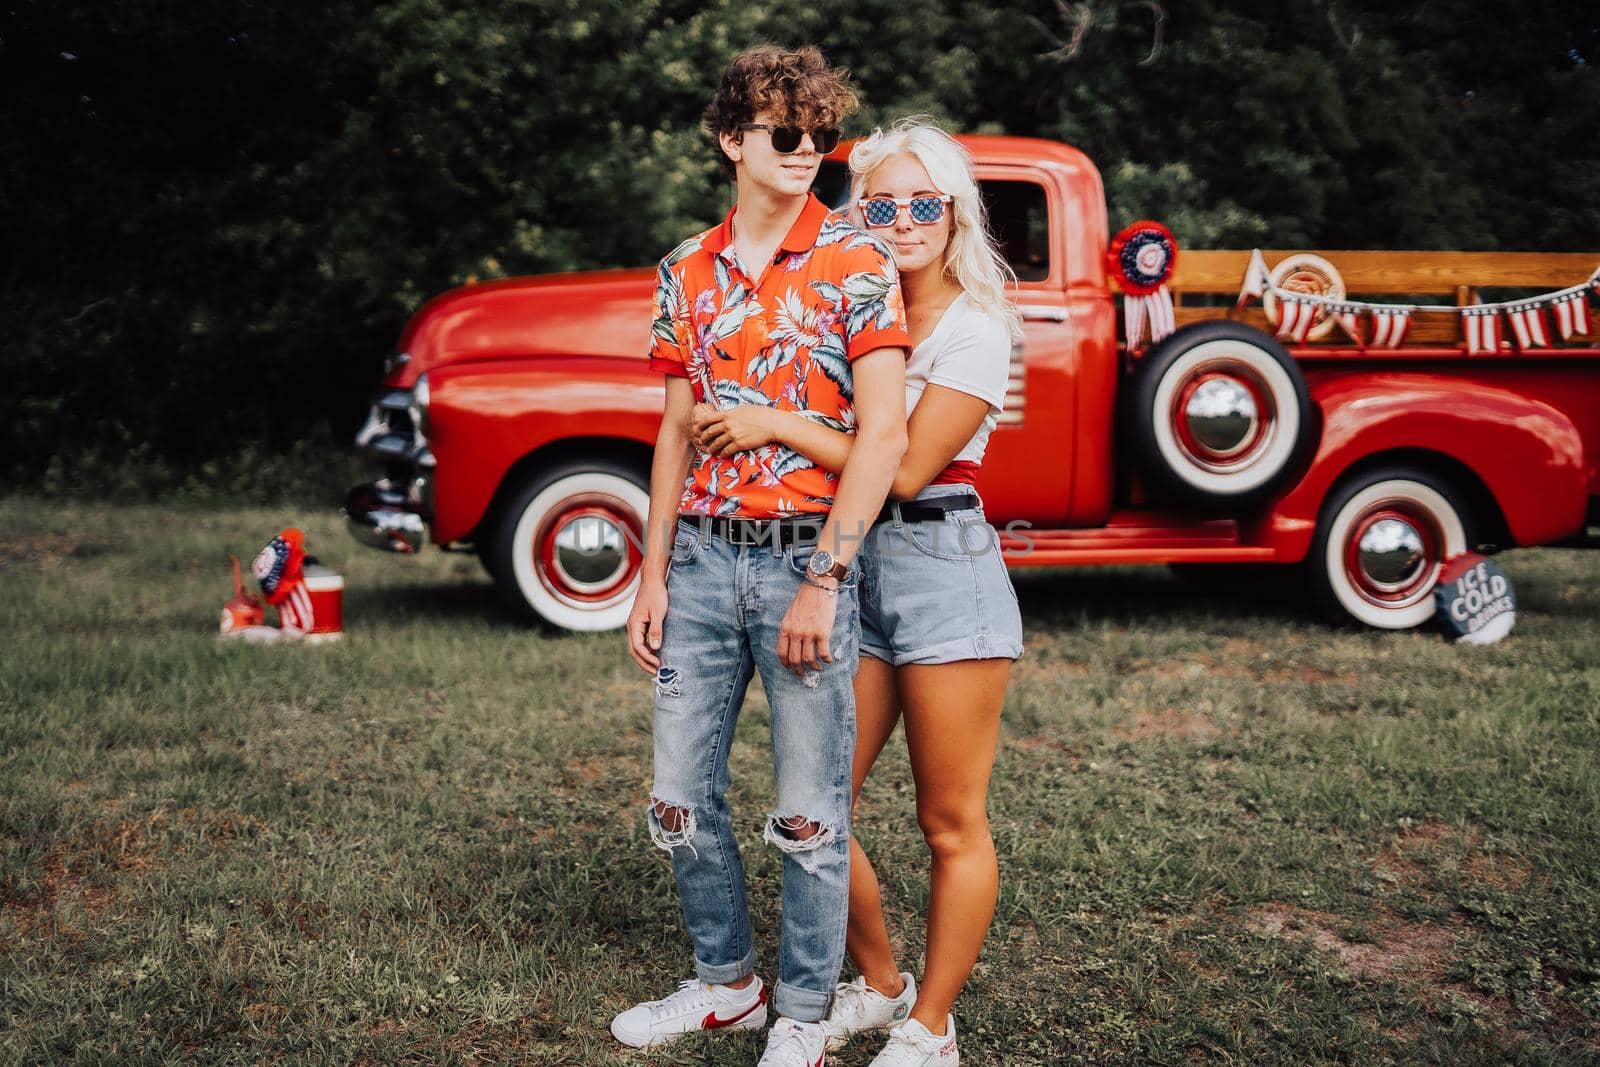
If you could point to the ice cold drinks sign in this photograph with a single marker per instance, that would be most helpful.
(1474, 601)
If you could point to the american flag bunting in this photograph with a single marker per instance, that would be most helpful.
(1527, 323)
(1390, 326)
(1348, 316)
(1256, 279)
(1294, 319)
(1483, 330)
(1572, 316)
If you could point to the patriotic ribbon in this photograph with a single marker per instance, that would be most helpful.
(1142, 258)
(279, 564)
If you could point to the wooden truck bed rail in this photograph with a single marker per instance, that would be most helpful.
(1393, 277)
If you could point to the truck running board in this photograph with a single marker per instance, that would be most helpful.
(1132, 539)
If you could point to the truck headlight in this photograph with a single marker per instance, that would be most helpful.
(419, 403)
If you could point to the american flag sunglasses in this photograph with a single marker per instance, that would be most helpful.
(879, 211)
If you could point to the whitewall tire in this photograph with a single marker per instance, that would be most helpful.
(565, 548)
(1380, 544)
(1220, 416)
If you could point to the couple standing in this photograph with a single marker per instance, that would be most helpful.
(817, 364)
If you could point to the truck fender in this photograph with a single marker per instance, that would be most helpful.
(1527, 455)
(485, 417)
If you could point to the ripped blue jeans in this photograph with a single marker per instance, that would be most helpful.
(725, 606)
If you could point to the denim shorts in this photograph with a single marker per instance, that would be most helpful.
(938, 591)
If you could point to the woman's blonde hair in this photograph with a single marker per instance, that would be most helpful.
(970, 259)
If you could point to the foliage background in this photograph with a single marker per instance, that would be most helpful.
(219, 215)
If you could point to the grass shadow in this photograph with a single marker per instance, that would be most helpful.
(1051, 595)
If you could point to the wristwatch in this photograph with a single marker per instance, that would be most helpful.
(823, 565)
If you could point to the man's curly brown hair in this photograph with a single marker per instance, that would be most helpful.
(797, 85)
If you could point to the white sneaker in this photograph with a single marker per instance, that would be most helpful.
(910, 1045)
(795, 1044)
(857, 1007)
(695, 1006)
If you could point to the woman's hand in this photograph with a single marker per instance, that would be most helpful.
(737, 429)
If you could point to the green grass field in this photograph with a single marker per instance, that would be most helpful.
(1227, 834)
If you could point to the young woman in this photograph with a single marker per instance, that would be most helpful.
(939, 618)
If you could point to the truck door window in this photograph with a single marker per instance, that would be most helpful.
(1019, 218)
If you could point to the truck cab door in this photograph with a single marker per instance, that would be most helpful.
(1028, 471)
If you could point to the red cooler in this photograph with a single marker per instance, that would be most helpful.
(326, 589)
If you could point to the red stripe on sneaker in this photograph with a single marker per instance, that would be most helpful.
(711, 1022)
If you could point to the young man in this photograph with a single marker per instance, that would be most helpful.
(786, 305)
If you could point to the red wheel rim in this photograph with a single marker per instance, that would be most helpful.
(1249, 448)
(1393, 522)
(587, 550)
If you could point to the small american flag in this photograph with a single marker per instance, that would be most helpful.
(1572, 316)
(1483, 330)
(1527, 322)
(1390, 326)
(1348, 316)
(1294, 319)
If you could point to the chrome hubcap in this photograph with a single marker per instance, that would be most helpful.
(1222, 417)
(1391, 554)
(591, 553)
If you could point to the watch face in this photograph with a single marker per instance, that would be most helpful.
(821, 562)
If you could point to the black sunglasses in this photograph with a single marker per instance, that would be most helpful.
(786, 139)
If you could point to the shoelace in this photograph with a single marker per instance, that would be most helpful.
(850, 1000)
(692, 993)
(789, 1042)
(901, 1049)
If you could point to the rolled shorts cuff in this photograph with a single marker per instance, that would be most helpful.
(978, 646)
(801, 1005)
(723, 973)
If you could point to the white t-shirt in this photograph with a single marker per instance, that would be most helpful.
(969, 350)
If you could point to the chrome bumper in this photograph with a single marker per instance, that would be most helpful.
(379, 516)
(393, 512)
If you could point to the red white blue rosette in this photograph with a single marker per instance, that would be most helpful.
(1142, 258)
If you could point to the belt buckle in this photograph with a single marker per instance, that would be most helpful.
(744, 532)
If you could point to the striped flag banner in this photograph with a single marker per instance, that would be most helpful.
(1483, 330)
(1527, 323)
(1348, 316)
(1294, 319)
(1256, 279)
(1572, 316)
(1390, 326)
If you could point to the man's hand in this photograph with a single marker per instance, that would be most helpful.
(741, 428)
(644, 624)
(807, 629)
(699, 415)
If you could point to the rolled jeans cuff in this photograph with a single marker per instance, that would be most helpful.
(724, 973)
(801, 1005)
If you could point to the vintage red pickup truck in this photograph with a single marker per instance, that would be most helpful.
(517, 416)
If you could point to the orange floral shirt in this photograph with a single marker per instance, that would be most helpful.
(830, 295)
